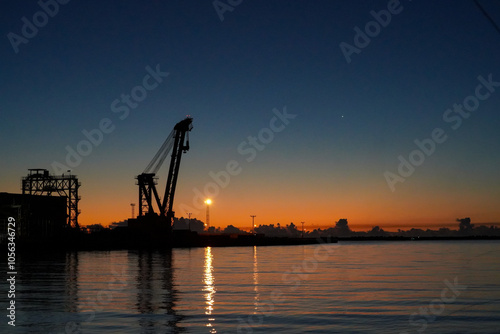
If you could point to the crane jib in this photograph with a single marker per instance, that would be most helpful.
(177, 142)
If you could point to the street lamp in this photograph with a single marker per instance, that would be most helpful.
(253, 223)
(208, 202)
(133, 212)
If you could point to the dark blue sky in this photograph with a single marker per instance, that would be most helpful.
(353, 119)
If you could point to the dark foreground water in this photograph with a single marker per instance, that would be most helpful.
(355, 287)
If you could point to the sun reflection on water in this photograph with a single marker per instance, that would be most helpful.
(209, 288)
(255, 280)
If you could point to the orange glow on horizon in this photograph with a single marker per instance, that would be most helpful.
(364, 204)
(225, 214)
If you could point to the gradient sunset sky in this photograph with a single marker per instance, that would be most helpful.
(352, 119)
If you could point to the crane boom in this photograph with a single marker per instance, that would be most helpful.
(177, 142)
(181, 130)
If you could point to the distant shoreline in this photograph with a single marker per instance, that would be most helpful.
(434, 238)
(90, 243)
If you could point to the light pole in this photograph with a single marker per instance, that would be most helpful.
(302, 229)
(208, 202)
(133, 207)
(189, 222)
(253, 223)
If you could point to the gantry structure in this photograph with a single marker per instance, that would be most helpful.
(40, 182)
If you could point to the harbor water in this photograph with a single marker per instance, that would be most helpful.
(349, 287)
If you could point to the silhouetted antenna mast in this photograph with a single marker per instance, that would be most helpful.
(208, 202)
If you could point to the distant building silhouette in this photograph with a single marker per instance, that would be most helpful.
(465, 225)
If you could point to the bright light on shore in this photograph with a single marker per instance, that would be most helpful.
(208, 201)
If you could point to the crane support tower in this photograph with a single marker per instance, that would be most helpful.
(177, 142)
(40, 182)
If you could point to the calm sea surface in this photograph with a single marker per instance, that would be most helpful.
(349, 287)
